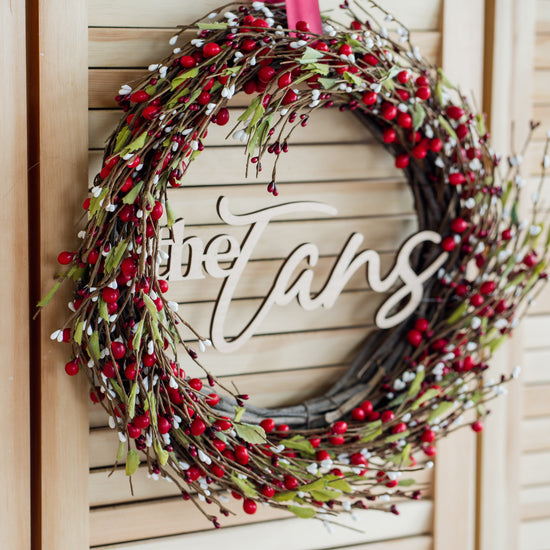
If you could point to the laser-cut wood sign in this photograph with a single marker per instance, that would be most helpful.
(288, 282)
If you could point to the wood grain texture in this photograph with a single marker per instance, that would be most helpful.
(534, 534)
(140, 13)
(535, 433)
(536, 366)
(118, 524)
(15, 506)
(536, 400)
(535, 502)
(60, 187)
(139, 47)
(535, 468)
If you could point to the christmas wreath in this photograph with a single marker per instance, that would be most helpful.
(410, 384)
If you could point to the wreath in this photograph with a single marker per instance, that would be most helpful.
(410, 384)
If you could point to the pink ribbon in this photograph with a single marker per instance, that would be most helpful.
(304, 10)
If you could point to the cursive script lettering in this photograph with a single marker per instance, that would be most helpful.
(289, 284)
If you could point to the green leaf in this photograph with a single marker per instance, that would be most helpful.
(371, 435)
(497, 342)
(120, 451)
(407, 482)
(212, 26)
(251, 108)
(417, 383)
(396, 437)
(418, 115)
(122, 138)
(302, 512)
(324, 495)
(447, 127)
(315, 485)
(353, 78)
(481, 128)
(46, 300)
(131, 196)
(341, 485)
(136, 342)
(244, 485)
(285, 496)
(406, 454)
(170, 215)
(162, 454)
(311, 56)
(117, 389)
(424, 398)
(115, 256)
(95, 202)
(173, 102)
(446, 82)
(514, 213)
(258, 114)
(132, 462)
(299, 443)
(152, 407)
(192, 73)
(132, 401)
(250, 433)
(239, 411)
(151, 307)
(137, 144)
(458, 313)
(442, 408)
(94, 345)
(318, 68)
(78, 331)
(327, 83)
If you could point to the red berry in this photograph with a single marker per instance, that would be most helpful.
(487, 287)
(139, 97)
(399, 428)
(336, 440)
(65, 258)
(387, 416)
(291, 483)
(149, 359)
(455, 112)
(265, 74)
(404, 119)
(507, 234)
(322, 455)
(345, 49)
(118, 349)
(290, 97)
(247, 45)
(110, 295)
(436, 145)
(163, 286)
(389, 135)
(193, 473)
(211, 49)
(403, 76)
(459, 225)
(93, 256)
(448, 244)
(133, 431)
(391, 483)
(477, 426)
(142, 421)
(421, 324)
(429, 450)
(218, 470)
(476, 300)
(357, 459)
(223, 424)
(198, 427)
(302, 26)
(369, 98)
(457, 178)
(419, 151)
(422, 81)
(367, 407)
(222, 118)
(268, 491)
(428, 436)
(389, 111)
(423, 92)
(96, 396)
(358, 414)
(150, 112)
(414, 338)
(241, 455)
(402, 161)
(370, 59)
(282, 428)
(268, 425)
(71, 368)
(219, 444)
(213, 399)
(249, 506)
(315, 442)
(157, 211)
(130, 371)
(204, 98)
(163, 425)
(339, 428)
(196, 384)
(187, 61)
(133, 162)
(260, 23)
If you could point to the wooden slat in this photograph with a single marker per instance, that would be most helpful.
(535, 434)
(115, 525)
(107, 491)
(543, 16)
(301, 163)
(536, 400)
(542, 51)
(536, 331)
(139, 47)
(139, 13)
(537, 368)
(541, 86)
(15, 395)
(328, 125)
(533, 535)
(535, 502)
(535, 468)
